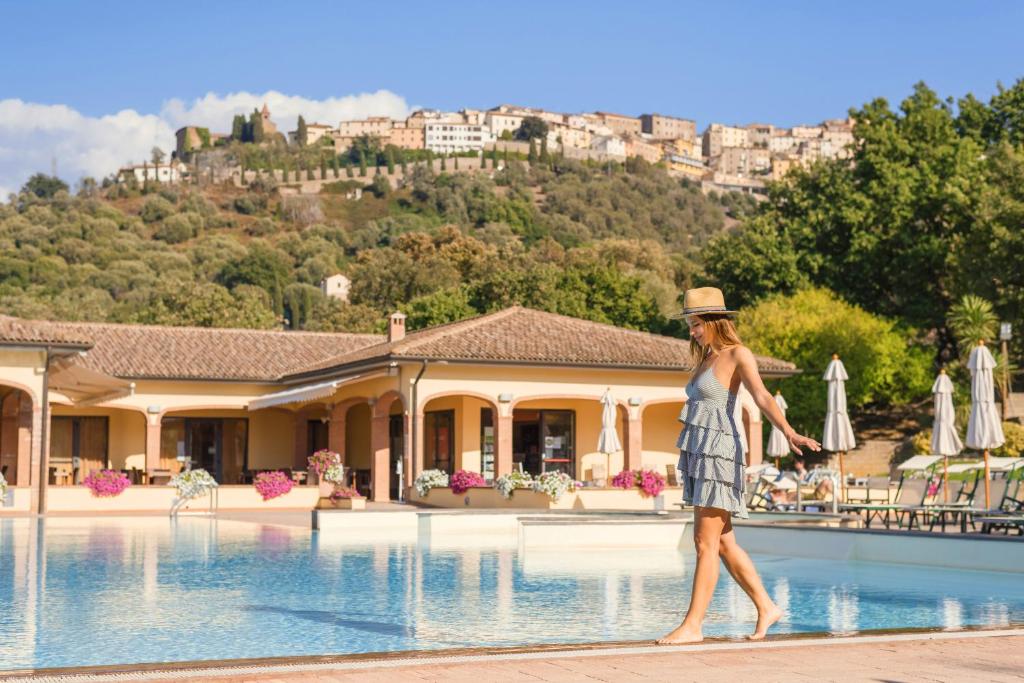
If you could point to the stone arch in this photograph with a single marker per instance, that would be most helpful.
(20, 425)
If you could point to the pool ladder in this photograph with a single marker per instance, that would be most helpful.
(178, 503)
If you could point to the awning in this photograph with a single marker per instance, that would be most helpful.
(303, 394)
(84, 386)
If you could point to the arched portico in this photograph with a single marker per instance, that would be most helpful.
(461, 430)
(19, 423)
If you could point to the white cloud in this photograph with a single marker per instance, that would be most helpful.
(32, 135)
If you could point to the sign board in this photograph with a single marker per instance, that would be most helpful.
(1005, 331)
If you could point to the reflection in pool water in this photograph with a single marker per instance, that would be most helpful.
(104, 591)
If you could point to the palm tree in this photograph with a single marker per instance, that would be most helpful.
(971, 319)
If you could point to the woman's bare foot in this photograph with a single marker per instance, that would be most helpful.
(765, 619)
(681, 636)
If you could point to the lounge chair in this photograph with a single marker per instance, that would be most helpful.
(959, 507)
(910, 493)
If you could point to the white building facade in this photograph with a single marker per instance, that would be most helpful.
(446, 138)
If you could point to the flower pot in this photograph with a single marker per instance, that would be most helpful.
(341, 504)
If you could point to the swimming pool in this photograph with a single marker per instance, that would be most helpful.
(109, 591)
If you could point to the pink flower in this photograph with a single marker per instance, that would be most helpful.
(272, 484)
(463, 480)
(340, 493)
(626, 479)
(651, 483)
(106, 483)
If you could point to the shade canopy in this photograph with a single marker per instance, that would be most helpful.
(83, 386)
(838, 435)
(945, 440)
(608, 440)
(984, 429)
(918, 463)
(777, 444)
(302, 394)
(961, 467)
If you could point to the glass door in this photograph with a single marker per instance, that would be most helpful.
(439, 440)
(558, 434)
(396, 443)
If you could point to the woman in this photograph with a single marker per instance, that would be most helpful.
(711, 458)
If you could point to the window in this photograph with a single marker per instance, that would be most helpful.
(439, 440)
(487, 443)
(78, 445)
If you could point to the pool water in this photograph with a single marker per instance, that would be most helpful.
(104, 591)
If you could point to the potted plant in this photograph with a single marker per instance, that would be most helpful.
(272, 484)
(430, 479)
(463, 480)
(343, 498)
(106, 483)
(554, 484)
(506, 484)
(650, 483)
(319, 463)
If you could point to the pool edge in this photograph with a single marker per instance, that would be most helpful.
(374, 660)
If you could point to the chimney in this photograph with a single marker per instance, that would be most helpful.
(396, 327)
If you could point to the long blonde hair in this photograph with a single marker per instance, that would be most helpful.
(721, 328)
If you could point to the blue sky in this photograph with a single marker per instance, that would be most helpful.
(734, 62)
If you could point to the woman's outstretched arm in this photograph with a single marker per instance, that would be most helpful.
(746, 364)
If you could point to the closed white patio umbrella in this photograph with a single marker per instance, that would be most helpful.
(838, 436)
(777, 444)
(984, 429)
(608, 440)
(945, 440)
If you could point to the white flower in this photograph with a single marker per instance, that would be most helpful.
(507, 483)
(554, 484)
(335, 474)
(430, 479)
(193, 483)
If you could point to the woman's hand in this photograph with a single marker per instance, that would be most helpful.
(796, 441)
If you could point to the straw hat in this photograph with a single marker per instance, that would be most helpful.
(704, 301)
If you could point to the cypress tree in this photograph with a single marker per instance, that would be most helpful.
(323, 167)
(404, 169)
(362, 164)
(532, 156)
(348, 169)
(390, 158)
(334, 165)
(455, 154)
(544, 156)
(483, 158)
(494, 157)
(505, 156)
(309, 172)
(302, 135)
(444, 166)
(238, 128)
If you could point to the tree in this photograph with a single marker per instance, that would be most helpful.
(302, 134)
(238, 128)
(532, 156)
(205, 305)
(300, 300)
(444, 166)
(972, 319)
(455, 157)
(256, 126)
(809, 326)
(348, 169)
(362, 164)
(390, 159)
(545, 158)
(531, 128)
(44, 186)
(262, 266)
(334, 165)
(483, 158)
(157, 155)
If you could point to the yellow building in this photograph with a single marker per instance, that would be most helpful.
(514, 388)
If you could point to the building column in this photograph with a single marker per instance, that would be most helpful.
(37, 453)
(301, 429)
(502, 445)
(634, 440)
(153, 425)
(419, 450)
(336, 430)
(380, 456)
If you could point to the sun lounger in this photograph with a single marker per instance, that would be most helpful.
(910, 494)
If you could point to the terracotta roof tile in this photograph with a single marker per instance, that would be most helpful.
(38, 332)
(512, 335)
(155, 352)
(525, 335)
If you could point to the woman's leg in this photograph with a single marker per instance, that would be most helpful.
(708, 524)
(742, 570)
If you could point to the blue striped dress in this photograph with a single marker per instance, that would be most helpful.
(710, 452)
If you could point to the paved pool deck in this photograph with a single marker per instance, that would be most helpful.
(968, 657)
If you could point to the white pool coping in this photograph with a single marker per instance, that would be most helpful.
(185, 672)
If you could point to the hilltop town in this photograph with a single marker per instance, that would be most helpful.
(724, 157)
